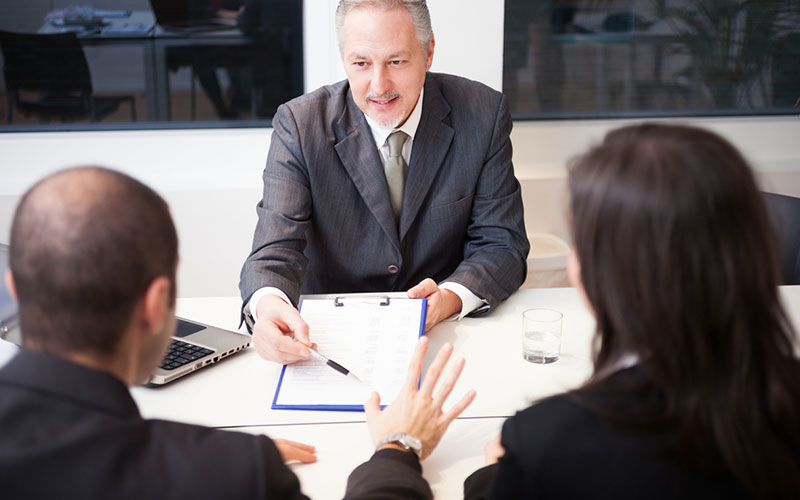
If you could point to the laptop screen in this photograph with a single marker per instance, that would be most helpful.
(8, 306)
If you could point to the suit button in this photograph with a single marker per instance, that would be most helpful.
(393, 269)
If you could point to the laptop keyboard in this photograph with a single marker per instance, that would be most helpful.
(181, 353)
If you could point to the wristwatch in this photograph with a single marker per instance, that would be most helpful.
(404, 439)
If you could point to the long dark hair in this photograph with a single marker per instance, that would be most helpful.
(680, 264)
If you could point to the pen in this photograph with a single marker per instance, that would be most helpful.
(333, 364)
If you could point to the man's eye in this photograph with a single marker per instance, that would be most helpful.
(397, 62)
(360, 64)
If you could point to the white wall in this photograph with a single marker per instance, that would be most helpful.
(212, 178)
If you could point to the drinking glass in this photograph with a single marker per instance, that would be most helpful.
(541, 335)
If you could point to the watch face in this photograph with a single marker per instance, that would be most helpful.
(405, 440)
(412, 443)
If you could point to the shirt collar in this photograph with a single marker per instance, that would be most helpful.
(409, 127)
(45, 373)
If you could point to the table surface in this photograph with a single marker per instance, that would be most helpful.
(341, 447)
(239, 390)
(236, 393)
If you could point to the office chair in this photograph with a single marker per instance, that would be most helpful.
(48, 75)
(784, 212)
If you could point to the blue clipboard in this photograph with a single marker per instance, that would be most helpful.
(339, 303)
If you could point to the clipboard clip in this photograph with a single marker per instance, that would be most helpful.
(365, 299)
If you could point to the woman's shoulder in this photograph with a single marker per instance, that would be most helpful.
(554, 416)
(624, 396)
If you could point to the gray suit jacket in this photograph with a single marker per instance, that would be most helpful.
(325, 222)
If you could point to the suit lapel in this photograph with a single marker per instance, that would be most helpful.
(357, 152)
(431, 144)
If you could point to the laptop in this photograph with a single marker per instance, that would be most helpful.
(9, 323)
(194, 345)
(188, 16)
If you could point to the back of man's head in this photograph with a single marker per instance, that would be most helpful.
(85, 245)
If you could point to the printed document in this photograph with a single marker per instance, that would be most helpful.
(375, 342)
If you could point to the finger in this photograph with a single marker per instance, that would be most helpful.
(432, 311)
(373, 405)
(459, 407)
(272, 345)
(446, 388)
(435, 370)
(291, 453)
(423, 289)
(430, 320)
(493, 451)
(299, 445)
(296, 324)
(415, 366)
(287, 348)
(265, 338)
(283, 316)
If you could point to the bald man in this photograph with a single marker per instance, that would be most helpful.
(93, 261)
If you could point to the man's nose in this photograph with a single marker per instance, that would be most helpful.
(381, 83)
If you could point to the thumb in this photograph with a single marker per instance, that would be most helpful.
(422, 289)
(373, 405)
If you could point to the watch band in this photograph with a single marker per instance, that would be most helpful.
(404, 439)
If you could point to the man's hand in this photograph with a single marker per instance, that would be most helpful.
(280, 334)
(419, 411)
(293, 452)
(493, 451)
(442, 303)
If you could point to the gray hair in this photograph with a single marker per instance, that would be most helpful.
(417, 8)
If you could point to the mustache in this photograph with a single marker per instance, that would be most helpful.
(386, 95)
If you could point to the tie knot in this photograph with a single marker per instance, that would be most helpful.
(396, 140)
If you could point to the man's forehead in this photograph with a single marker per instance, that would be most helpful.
(365, 52)
(378, 25)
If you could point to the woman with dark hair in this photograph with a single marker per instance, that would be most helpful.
(696, 387)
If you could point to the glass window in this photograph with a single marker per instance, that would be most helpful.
(612, 58)
(148, 63)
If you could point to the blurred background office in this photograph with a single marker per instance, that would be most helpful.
(189, 112)
(194, 62)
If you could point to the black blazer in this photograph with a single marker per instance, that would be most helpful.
(67, 431)
(559, 449)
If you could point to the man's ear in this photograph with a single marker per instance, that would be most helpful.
(12, 287)
(429, 54)
(157, 304)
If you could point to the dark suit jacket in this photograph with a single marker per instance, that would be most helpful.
(325, 222)
(559, 449)
(70, 432)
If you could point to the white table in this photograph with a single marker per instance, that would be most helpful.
(239, 391)
(341, 447)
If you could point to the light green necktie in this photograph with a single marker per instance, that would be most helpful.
(396, 169)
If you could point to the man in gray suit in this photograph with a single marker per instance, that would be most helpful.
(395, 179)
